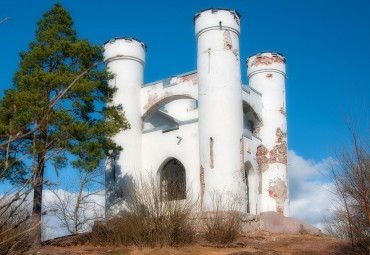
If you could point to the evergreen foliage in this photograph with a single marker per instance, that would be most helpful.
(75, 129)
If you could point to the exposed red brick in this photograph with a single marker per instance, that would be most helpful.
(282, 111)
(191, 77)
(266, 60)
(256, 131)
(278, 154)
(278, 191)
(202, 184)
(269, 75)
(280, 135)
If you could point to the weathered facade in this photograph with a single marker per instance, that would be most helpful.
(204, 127)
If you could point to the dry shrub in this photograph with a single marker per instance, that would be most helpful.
(149, 219)
(15, 224)
(222, 224)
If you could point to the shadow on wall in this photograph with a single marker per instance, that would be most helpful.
(116, 187)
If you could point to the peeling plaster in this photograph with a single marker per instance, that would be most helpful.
(278, 191)
(228, 44)
(191, 77)
(262, 161)
(278, 154)
(269, 76)
(151, 100)
(266, 60)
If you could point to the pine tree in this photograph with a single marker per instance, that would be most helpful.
(49, 123)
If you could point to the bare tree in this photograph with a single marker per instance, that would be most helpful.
(350, 175)
(76, 205)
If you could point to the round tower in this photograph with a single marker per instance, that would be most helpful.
(125, 58)
(266, 73)
(220, 106)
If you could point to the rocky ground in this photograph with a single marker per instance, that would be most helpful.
(251, 243)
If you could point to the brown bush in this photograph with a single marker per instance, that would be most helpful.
(222, 224)
(222, 227)
(148, 220)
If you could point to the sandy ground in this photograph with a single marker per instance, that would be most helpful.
(252, 243)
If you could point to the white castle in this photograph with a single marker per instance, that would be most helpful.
(204, 128)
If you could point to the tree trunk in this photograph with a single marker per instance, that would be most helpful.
(36, 209)
(37, 188)
(75, 213)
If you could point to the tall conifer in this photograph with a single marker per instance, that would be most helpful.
(77, 128)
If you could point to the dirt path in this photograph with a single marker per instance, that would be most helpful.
(256, 243)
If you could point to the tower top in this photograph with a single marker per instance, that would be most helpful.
(266, 61)
(215, 10)
(217, 19)
(124, 48)
(127, 39)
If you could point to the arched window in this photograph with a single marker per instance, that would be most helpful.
(173, 181)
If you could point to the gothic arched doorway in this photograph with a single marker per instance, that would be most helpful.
(251, 183)
(173, 181)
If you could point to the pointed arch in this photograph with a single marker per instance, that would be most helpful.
(251, 183)
(172, 177)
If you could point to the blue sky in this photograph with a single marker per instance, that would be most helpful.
(326, 43)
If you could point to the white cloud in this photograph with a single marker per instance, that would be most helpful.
(310, 191)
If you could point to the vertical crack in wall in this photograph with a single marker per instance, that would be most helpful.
(228, 44)
(278, 191)
(211, 152)
(202, 185)
(242, 168)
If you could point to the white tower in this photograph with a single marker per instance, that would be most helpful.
(125, 58)
(266, 74)
(220, 105)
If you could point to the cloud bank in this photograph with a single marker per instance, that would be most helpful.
(310, 191)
